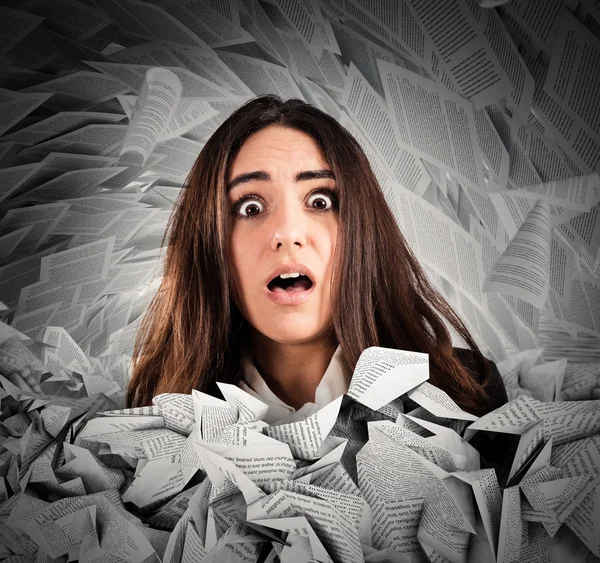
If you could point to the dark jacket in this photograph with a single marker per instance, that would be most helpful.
(495, 449)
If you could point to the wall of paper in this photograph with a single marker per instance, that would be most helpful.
(480, 120)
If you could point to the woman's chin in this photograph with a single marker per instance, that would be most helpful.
(293, 334)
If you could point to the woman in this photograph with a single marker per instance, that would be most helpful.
(281, 187)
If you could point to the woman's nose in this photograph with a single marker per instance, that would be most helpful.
(289, 226)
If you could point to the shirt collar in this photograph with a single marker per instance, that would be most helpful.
(333, 384)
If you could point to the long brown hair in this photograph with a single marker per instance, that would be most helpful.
(191, 333)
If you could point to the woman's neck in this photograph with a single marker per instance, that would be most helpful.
(292, 371)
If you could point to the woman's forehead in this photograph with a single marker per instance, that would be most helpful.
(276, 150)
(277, 138)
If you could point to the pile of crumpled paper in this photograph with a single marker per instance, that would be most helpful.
(388, 472)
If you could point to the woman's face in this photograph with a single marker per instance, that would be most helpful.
(282, 219)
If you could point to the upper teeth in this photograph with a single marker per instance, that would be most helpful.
(292, 275)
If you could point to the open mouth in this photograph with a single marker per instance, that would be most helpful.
(300, 283)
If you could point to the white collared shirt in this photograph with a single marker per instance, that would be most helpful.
(333, 384)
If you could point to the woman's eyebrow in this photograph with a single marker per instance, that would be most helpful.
(264, 176)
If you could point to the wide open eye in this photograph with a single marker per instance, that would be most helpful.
(323, 200)
(250, 207)
(251, 204)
